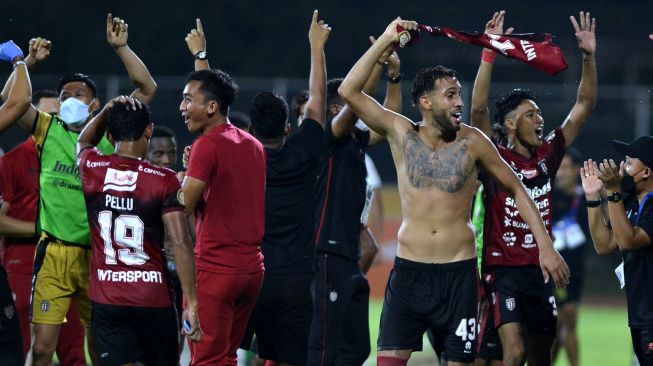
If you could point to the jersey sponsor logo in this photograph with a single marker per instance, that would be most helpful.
(542, 165)
(550, 136)
(528, 242)
(60, 167)
(333, 242)
(511, 213)
(120, 180)
(468, 347)
(510, 303)
(63, 184)
(150, 171)
(108, 275)
(509, 238)
(96, 164)
(496, 254)
(529, 173)
(539, 191)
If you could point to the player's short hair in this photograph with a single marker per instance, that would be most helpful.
(332, 92)
(240, 120)
(76, 77)
(126, 124)
(297, 101)
(510, 102)
(216, 85)
(43, 93)
(269, 115)
(163, 131)
(424, 81)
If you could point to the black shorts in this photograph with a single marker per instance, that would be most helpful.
(575, 259)
(281, 318)
(11, 343)
(126, 334)
(440, 297)
(643, 345)
(340, 332)
(489, 343)
(519, 295)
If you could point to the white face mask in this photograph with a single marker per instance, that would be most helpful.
(74, 112)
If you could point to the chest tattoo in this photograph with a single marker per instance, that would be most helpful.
(446, 169)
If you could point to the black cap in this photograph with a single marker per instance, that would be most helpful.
(641, 148)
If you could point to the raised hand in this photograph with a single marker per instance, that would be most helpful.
(39, 51)
(495, 25)
(585, 32)
(318, 33)
(116, 31)
(391, 29)
(195, 39)
(592, 185)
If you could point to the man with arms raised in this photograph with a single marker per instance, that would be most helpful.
(434, 281)
(61, 261)
(129, 202)
(525, 310)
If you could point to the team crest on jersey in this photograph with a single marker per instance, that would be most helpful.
(530, 173)
(10, 311)
(542, 165)
(180, 197)
(468, 347)
(333, 296)
(45, 306)
(510, 303)
(120, 180)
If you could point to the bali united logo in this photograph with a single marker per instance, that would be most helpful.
(10, 311)
(510, 303)
(45, 306)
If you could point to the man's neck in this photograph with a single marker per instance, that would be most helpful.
(646, 189)
(516, 146)
(131, 149)
(215, 122)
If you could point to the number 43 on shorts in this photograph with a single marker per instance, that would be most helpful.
(467, 329)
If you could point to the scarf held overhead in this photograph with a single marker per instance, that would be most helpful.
(535, 49)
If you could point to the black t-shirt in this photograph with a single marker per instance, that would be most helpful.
(292, 170)
(569, 209)
(341, 194)
(638, 269)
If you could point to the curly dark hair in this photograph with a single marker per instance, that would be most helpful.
(269, 115)
(216, 85)
(424, 81)
(126, 124)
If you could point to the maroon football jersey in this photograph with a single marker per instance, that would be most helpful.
(125, 199)
(508, 240)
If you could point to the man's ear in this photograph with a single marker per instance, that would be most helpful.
(95, 105)
(214, 107)
(148, 131)
(425, 102)
(110, 138)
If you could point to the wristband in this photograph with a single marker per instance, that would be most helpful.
(21, 62)
(488, 56)
(394, 80)
(594, 203)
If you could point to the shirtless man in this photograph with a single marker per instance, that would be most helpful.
(434, 281)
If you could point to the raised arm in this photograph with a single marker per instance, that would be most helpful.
(318, 35)
(365, 107)
(604, 241)
(551, 262)
(480, 112)
(175, 223)
(39, 50)
(627, 236)
(117, 34)
(20, 93)
(343, 123)
(196, 43)
(588, 87)
(95, 128)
